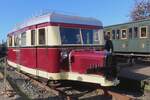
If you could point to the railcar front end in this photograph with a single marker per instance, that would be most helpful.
(62, 47)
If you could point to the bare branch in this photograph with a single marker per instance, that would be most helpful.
(141, 10)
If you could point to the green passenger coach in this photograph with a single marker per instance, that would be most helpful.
(130, 39)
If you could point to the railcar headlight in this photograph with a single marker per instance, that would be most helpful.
(64, 54)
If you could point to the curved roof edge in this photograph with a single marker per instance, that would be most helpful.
(57, 17)
(130, 22)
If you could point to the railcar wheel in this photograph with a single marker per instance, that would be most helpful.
(131, 61)
(53, 83)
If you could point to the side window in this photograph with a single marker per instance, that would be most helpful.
(23, 39)
(118, 34)
(42, 36)
(16, 40)
(113, 34)
(32, 37)
(135, 32)
(124, 34)
(10, 40)
(130, 33)
(143, 32)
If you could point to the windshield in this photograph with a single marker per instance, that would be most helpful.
(70, 36)
(78, 36)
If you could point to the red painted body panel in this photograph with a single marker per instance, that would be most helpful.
(46, 59)
(85, 59)
(28, 57)
(87, 62)
(12, 54)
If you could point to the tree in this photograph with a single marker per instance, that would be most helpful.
(141, 10)
(3, 49)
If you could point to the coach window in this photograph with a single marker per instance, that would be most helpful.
(143, 32)
(124, 34)
(118, 34)
(113, 34)
(10, 40)
(135, 32)
(42, 36)
(32, 37)
(23, 39)
(130, 33)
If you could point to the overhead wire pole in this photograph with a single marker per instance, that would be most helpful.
(5, 74)
(4, 65)
(3, 61)
(5, 70)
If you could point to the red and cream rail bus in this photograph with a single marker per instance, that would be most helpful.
(62, 47)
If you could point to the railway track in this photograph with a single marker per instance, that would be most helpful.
(60, 88)
(64, 90)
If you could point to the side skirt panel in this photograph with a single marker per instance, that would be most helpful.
(66, 76)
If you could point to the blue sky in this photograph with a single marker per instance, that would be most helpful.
(108, 11)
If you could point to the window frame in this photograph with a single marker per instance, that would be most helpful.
(146, 31)
(17, 39)
(114, 34)
(122, 34)
(119, 36)
(135, 35)
(10, 41)
(35, 37)
(106, 34)
(23, 39)
(60, 32)
(82, 33)
(94, 31)
(39, 36)
(130, 34)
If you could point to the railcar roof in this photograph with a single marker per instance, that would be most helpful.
(60, 18)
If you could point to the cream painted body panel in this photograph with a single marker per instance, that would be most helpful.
(28, 38)
(53, 35)
(66, 75)
(101, 37)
